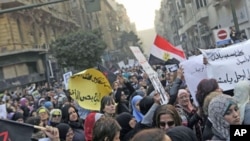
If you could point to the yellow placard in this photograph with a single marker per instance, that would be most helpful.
(88, 87)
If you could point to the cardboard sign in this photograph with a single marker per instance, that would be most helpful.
(88, 87)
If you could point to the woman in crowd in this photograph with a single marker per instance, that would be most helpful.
(37, 133)
(223, 111)
(71, 117)
(89, 123)
(242, 95)
(108, 107)
(18, 117)
(127, 123)
(135, 107)
(106, 129)
(204, 88)
(166, 117)
(188, 112)
(151, 135)
(181, 133)
(65, 132)
(55, 117)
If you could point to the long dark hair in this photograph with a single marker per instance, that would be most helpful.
(204, 88)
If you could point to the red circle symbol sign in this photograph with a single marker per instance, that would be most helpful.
(222, 34)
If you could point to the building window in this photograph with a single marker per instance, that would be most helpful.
(19, 26)
(32, 67)
(201, 3)
(1, 73)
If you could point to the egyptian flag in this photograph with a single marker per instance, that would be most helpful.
(163, 52)
(109, 75)
(14, 131)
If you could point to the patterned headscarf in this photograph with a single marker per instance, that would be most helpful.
(216, 111)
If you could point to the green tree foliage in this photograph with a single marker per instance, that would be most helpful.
(130, 37)
(81, 50)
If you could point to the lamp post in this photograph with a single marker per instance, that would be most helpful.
(235, 19)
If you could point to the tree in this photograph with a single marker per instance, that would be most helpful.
(129, 39)
(80, 50)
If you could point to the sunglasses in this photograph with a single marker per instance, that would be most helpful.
(56, 115)
(169, 123)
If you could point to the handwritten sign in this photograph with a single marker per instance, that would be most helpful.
(194, 72)
(3, 112)
(153, 76)
(88, 87)
(66, 77)
(229, 65)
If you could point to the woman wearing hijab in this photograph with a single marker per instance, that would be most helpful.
(135, 107)
(188, 112)
(241, 95)
(70, 116)
(223, 111)
(65, 132)
(181, 133)
(127, 123)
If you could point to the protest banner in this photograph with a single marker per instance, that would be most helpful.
(153, 76)
(3, 112)
(88, 87)
(66, 77)
(229, 65)
(194, 72)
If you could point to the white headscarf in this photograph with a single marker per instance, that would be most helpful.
(241, 95)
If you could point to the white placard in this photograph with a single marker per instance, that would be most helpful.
(153, 76)
(3, 112)
(131, 62)
(121, 65)
(66, 77)
(229, 65)
(194, 72)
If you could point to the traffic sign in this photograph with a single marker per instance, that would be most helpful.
(222, 34)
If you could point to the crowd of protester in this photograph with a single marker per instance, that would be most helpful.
(132, 112)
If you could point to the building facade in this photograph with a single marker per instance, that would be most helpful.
(196, 19)
(26, 35)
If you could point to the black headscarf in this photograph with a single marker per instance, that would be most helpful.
(63, 130)
(145, 104)
(181, 133)
(123, 120)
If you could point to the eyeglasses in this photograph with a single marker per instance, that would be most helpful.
(56, 115)
(169, 123)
